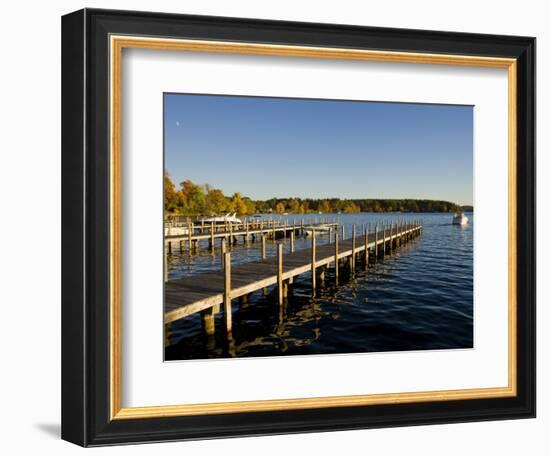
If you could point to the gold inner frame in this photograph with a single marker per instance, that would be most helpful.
(117, 44)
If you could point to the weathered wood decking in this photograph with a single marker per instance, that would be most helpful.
(205, 292)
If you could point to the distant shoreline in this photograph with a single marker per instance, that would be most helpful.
(199, 199)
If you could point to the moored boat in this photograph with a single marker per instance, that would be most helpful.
(459, 218)
(223, 219)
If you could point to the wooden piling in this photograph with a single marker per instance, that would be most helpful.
(313, 260)
(336, 268)
(227, 313)
(376, 242)
(224, 250)
(208, 321)
(280, 291)
(190, 236)
(383, 240)
(212, 247)
(263, 247)
(292, 241)
(367, 247)
(352, 262)
(398, 239)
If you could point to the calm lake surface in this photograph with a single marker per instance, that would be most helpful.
(419, 298)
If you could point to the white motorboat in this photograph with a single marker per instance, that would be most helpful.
(223, 219)
(460, 219)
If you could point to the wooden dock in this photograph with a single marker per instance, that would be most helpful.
(207, 293)
(231, 232)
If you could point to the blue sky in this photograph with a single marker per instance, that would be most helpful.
(281, 147)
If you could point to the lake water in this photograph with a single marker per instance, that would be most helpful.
(419, 298)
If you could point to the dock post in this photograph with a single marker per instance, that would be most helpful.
(224, 250)
(190, 236)
(366, 247)
(352, 262)
(383, 239)
(280, 273)
(212, 236)
(322, 274)
(343, 232)
(398, 239)
(169, 246)
(227, 316)
(313, 257)
(292, 241)
(208, 321)
(376, 242)
(263, 247)
(336, 236)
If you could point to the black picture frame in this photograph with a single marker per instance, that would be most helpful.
(85, 228)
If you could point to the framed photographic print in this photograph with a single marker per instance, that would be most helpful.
(278, 227)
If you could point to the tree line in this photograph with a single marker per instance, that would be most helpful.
(196, 199)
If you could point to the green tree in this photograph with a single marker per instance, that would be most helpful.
(294, 206)
(215, 201)
(324, 206)
(350, 206)
(195, 199)
(280, 208)
(238, 204)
